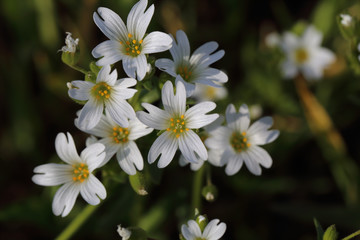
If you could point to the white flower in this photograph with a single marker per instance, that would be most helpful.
(213, 230)
(240, 141)
(346, 20)
(120, 141)
(76, 176)
(358, 47)
(272, 39)
(214, 156)
(304, 54)
(127, 43)
(71, 44)
(209, 93)
(177, 123)
(123, 232)
(194, 69)
(108, 92)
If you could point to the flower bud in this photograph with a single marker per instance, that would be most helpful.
(330, 233)
(202, 221)
(138, 183)
(210, 192)
(70, 52)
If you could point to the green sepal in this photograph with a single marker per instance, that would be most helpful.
(94, 68)
(202, 221)
(319, 230)
(137, 233)
(90, 77)
(71, 58)
(330, 233)
(210, 193)
(299, 27)
(139, 183)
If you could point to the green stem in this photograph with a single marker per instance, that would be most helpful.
(77, 68)
(352, 235)
(196, 191)
(134, 101)
(77, 222)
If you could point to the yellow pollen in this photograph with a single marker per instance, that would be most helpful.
(121, 43)
(136, 47)
(184, 72)
(243, 133)
(181, 130)
(182, 116)
(128, 43)
(174, 130)
(187, 129)
(120, 134)
(141, 41)
(101, 91)
(138, 52)
(245, 140)
(134, 41)
(178, 120)
(239, 141)
(177, 135)
(301, 55)
(171, 119)
(168, 129)
(183, 123)
(129, 35)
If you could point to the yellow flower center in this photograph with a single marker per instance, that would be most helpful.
(177, 126)
(239, 142)
(80, 172)
(132, 47)
(120, 135)
(101, 91)
(184, 72)
(301, 55)
(199, 238)
(210, 92)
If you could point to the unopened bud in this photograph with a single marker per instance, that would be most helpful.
(210, 192)
(70, 52)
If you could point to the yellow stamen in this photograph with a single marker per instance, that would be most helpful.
(129, 35)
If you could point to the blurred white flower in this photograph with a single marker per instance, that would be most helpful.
(255, 111)
(214, 230)
(123, 232)
(119, 141)
(127, 43)
(108, 93)
(273, 39)
(177, 124)
(71, 44)
(76, 176)
(239, 141)
(346, 20)
(305, 55)
(195, 68)
(209, 93)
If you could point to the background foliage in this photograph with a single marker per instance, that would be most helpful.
(280, 204)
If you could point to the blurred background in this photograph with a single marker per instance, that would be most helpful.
(311, 177)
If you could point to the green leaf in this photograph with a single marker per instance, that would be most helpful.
(319, 230)
(330, 233)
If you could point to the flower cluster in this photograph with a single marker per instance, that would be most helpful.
(114, 124)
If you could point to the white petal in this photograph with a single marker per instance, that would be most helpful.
(138, 129)
(129, 65)
(261, 156)
(156, 42)
(65, 148)
(189, 144)
(174, 104)
(185, 231)
(110, 149)
(65, 198)
(164, 145)
(234, 164)
(312, 37)
(203, 51)
(183, 44)
(105, 76)
(215, 124)
(214, 230)
(141, 66)
(128, 157)
(143, 22)
(102, 129)
(195, 116)
(166, 65)
(251, 163)
(90, 114)
(290, 42)
(206, 61)
(219, 138)
(264, 137)
(212, 75)
(135, 15)
(123, 93)
(52, 174)
(120, 111)
(232, 117)
(260, 125)
(215, 157)
(289, 69)
(244, 120)
(112, 25)
(194, 228)
(110, 51)
(92, 189)
(93, 155)
(81, 90)
(126, 82)
(156, 118)
(189, 87)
